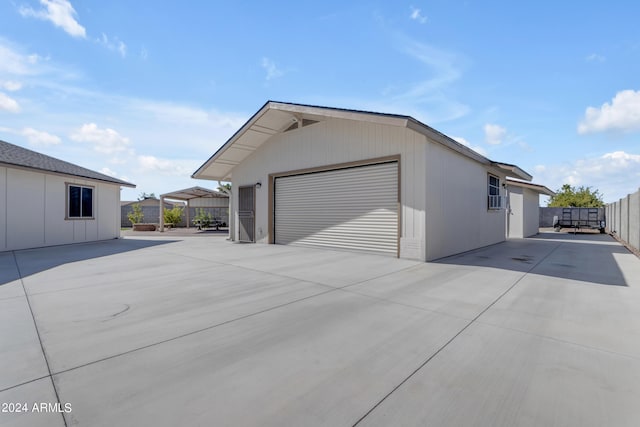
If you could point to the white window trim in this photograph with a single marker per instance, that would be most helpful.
(68, 185)
(494, 201)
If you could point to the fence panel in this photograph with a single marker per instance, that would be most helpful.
(634, 220)
(624, 219)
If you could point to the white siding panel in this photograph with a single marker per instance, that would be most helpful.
(457, 218)
(25, 209)
(107, 219)
(531, 223)
(3, 208)
(340, 209)
(57, 230)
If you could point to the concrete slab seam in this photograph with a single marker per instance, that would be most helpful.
(294, 278)
(35, 325)
(228, 264)
(24, 383)
(331, 289)
(438, 351)
(194, 332)
(14, 297)
(558, 340)
(402, 304)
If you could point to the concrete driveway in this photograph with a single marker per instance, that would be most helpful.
(200, 331)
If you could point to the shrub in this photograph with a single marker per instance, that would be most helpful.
(203, 218)
(173, 216)
(136, 216)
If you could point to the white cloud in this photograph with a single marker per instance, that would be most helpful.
(108, 171)
(40, 138)
(622, 114)
(14, 63)
(427, 99)
(8, 104)
(466, 143)
(59, 12)
(614, 174)
(594, 57)
(172, 167)
(168, 112)
(115, 45)
(440, 62)
(10, 85)
(105, 141)
(416, 15)
(494, 134)
(273, 72)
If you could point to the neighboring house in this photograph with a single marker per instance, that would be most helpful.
(354, 180)
(45, 201)
(523, 219)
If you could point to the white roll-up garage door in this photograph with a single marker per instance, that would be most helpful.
(354, 208)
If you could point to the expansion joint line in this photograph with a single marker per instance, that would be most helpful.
(423, 364)
(35, 325)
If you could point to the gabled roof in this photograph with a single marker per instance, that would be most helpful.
(14, 155)
(193, 193)
(277, 117)
(535, 187)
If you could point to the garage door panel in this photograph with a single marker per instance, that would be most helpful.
(355, 208)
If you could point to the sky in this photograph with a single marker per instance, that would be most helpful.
(146, 91)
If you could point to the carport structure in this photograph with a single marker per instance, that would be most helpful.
(186, 195)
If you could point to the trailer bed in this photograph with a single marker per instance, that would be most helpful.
(578, 218)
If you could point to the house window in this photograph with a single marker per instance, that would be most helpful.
(495, 201)
(79, 201)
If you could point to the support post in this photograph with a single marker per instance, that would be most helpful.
(188, 219)
(161, 214)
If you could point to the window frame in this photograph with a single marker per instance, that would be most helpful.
(68, 186)
(490, 205)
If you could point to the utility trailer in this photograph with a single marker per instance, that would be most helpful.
(578, 218)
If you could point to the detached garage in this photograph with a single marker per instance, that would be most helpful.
(354, 180)
(45, 201)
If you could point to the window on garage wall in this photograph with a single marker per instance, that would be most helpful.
(79, 202)
(495, 201)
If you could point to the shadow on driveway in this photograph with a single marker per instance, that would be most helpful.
(584, 257)
(33, 261)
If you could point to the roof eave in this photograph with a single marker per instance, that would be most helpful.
(198, 173)
(513, 171)
(535, 187)
(33, 168)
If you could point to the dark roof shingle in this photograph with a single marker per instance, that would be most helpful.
(11, 154)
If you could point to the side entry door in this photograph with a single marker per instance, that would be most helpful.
(246, 213)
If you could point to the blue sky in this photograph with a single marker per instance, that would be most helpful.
(147, 91)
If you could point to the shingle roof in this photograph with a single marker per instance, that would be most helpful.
(11, 154)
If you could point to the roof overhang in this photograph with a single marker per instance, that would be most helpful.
(541, 189)
(193, 193)
(277, 117)
(513, 171)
